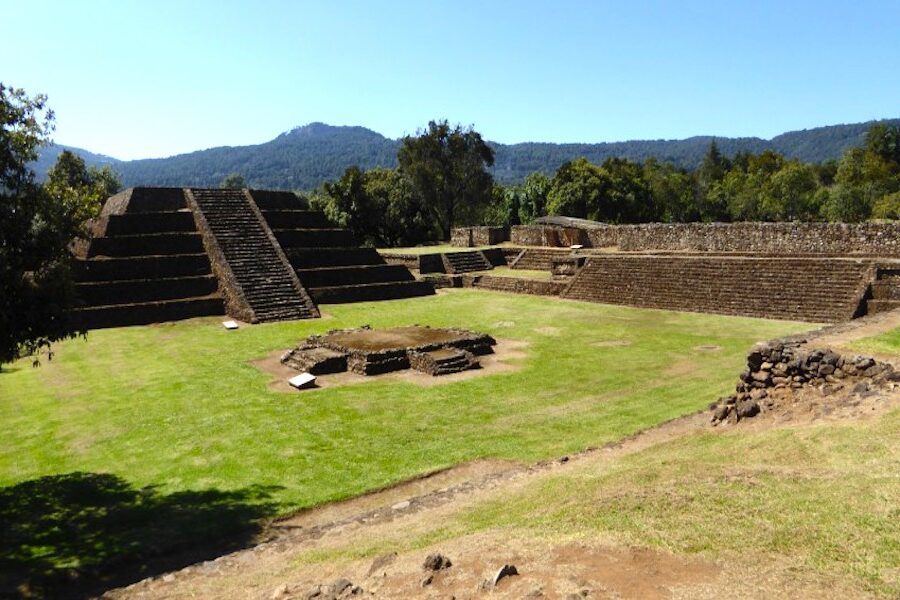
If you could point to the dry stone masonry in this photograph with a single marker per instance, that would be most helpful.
(160, 254)
(829, 239)
(372, 352)
(146, 263)
(806, 289)
(787, 365)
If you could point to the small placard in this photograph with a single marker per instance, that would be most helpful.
(230, 324)
(302, 380)
(576, 246)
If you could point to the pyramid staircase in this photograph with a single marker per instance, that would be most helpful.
(259, 282)
(327, 261)
(465, 262)
(539, 259)
(146, 264)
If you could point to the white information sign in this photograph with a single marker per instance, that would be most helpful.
(302, 380)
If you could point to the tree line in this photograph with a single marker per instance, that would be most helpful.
(443, 181)
(38, 225)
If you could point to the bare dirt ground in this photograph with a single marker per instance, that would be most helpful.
(506, 356)
(393, 338)
(571, 569)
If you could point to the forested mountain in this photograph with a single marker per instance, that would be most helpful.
(49, 154)
(305, 157)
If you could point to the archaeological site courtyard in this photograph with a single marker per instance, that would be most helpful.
(564, 409)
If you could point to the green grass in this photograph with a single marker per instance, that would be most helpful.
(823, 499)
(179, 406)
(885, 343)
(144, 442)
(826, 495)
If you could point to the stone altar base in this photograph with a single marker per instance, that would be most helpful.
(375, 351)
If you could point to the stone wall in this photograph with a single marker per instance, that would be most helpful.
(548, 235)
(787, 365)
(468, 237)
(410, 261)
(870, 239)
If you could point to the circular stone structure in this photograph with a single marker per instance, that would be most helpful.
(368, 351)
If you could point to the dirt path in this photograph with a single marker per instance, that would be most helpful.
(592, 568)
(839, 336)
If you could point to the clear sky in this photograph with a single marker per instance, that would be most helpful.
(155, 78)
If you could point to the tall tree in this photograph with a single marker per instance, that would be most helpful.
(447, 168)
(36, 232)
(577, 189)
(533, 194)
(884, 141)
(710, 174)
(80, 190)
(233, 181)
(378, 206)
(672, 190)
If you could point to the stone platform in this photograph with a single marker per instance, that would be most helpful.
(369, 351)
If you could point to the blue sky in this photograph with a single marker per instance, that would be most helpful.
(156, 78)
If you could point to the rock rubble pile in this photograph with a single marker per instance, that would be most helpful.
(784, 365)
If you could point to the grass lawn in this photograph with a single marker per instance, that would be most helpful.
(887, 343)
(821, 499)
(176, 410)
(177, 405)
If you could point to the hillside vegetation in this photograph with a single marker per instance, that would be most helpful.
(306, 157)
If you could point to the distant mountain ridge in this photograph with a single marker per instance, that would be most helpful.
(305, 157)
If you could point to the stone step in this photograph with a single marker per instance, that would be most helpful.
(315, 238)
(370, 292)
(150, 222)
(356, 274)
(822, 291)
(539, 259)
(315, 258)
(147, 245)
(274, 200)
(142, 313)
(130, 291)
(149, 200)
(266, 282)
(296, 219)
(466, 262)
(141, 267)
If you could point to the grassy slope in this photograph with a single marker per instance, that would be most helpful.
(824, 497)
(178, 405)
(887, 343)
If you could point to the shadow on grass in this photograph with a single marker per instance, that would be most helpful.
(78, 534)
